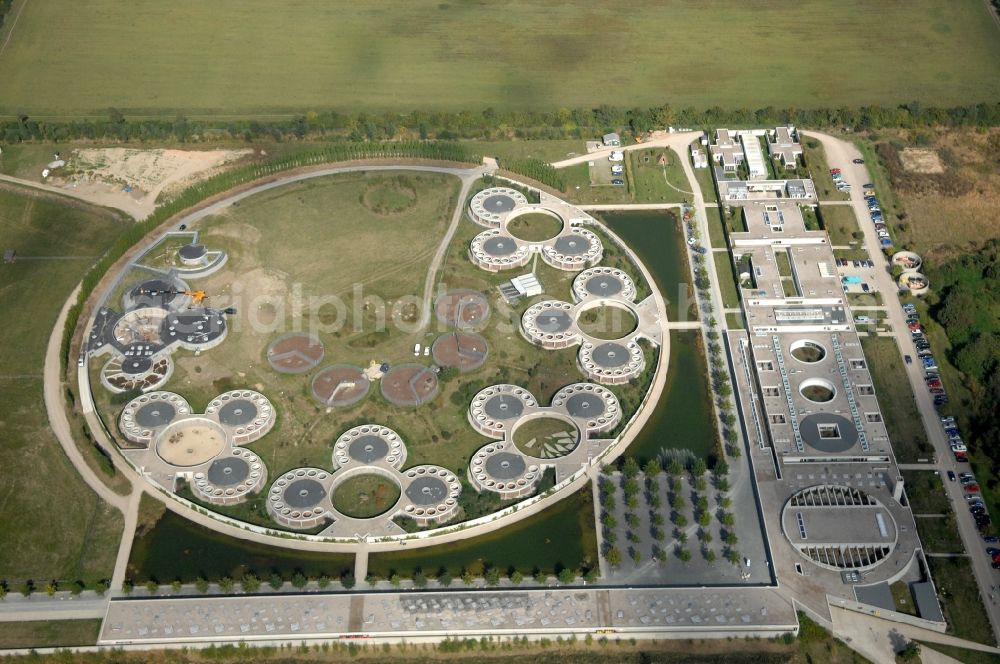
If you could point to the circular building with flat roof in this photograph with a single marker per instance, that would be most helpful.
(839, 527)
(144, 416)
(603, 282)
(596, 408)
(369, 445)
(494, 468)
(295, 353)
(430, 495)
(611, 362)
(340, 385)
(574, 249)
(495, 251)
(246, 415)
(230, 479)
(495, 408)
(299, 499)
(409, 385)
(192, 254)
(490, 206)
(550, 324)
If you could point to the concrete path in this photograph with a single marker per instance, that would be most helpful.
(597, 207)
(668, 141)
(125, 546)
(20, 609)
(55, 407)
(877, 639)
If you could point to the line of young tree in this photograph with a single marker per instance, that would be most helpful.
(438, 151)
(486, 124)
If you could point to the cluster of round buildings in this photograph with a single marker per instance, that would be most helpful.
(496, 249)
(911, 279)
(553, 324)
(157, 319)
(304, 498)
(512, 470)
(171, 440)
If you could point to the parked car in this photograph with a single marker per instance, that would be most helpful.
(858, 161)
(951, 475)
(972, 488)
(617, 182)
(995, 565)
(991, 539)
(909, 359)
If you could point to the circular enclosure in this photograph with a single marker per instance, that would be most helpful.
(191, 442)
(365, 495)
(546, 437)
(535, 226)
(409, 385)
(817, 390)
(295, 353)
(463, 308)
(460, 350)
(340, 385)
(607, 322)
(807, 351)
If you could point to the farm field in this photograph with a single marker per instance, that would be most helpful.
(188, 56)
(38, 482)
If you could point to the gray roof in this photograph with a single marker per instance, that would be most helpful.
(927, 603)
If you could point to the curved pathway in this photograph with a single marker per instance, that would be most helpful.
(248, 532)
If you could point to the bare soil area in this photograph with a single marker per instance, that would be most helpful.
(133, 180)
(921, 160)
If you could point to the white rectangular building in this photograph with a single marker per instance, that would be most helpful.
(754, 156)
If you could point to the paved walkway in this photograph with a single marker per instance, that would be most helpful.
(841, 154)
(597, 207)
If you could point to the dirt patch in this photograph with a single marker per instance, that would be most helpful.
(295, 353)
(921, 160)
(133, 180)
(409, 385)
(465, 352)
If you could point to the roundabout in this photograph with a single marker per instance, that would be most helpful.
(369, 489)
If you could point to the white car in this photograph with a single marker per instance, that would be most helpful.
(416, 350)
(959, 448)
(617, 156)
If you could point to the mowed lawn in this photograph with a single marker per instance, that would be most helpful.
(250, 57)
(54, 526)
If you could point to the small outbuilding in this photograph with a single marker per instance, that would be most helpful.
(612, 140)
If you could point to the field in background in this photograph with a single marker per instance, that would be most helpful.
(230, 57)
(53, 526)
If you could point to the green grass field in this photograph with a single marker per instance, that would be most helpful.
(902, 420)
(960, 601)
(54, 526)
(49, 633)
(841, 224)
(253, 58)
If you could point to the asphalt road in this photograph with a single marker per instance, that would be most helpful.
(840, 154)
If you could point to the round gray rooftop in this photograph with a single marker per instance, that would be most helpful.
(604, 284)
(193, 326)
(136, 365)
(610, 355)
(828, 432)
(190, 252)
(228, 471)
(153, 293)
(505, 466)
(572, 244)
(499, 203)
(304, 493)
(155, 414)
(368, 448)
(500, 246)
(427, 491)
(238, 412)
(553, 320)
(585, 404)
(503, 407)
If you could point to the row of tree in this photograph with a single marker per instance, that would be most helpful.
(488, 123)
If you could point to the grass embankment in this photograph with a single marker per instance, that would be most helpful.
(54, 526)
(899, 409)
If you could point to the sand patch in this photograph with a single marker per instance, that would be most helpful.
(132, 180)
(921, 160)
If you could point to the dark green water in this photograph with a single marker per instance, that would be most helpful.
(683, 418)
(561, 536)
(179, 549)
(657, 239)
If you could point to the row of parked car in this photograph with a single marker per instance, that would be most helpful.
(931, 376)
(838, 180)
(875, 212)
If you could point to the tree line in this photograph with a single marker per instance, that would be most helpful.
(486, 124)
